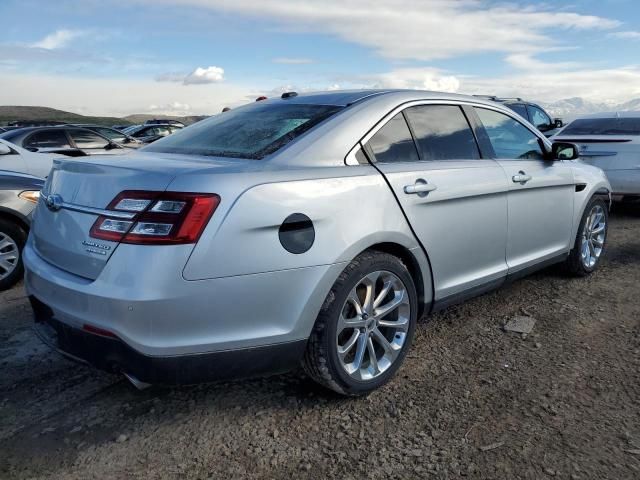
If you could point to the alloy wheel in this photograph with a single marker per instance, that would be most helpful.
(9, 255)
(593, 236)
(373, 325)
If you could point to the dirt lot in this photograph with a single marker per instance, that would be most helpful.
(471, 400)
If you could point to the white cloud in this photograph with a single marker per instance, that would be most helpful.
(413, 78)
(421, 29)
(524, 61)
(205, 75)
(292, 61)
(57, 39)
(199, 76)
(629, 35)
(126, 96)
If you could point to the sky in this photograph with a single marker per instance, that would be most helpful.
(183, 57)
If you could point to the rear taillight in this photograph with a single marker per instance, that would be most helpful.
(156, 218)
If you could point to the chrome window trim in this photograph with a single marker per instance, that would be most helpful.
(504, 110)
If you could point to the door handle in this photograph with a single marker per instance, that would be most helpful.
(521, 178)
(421, 188)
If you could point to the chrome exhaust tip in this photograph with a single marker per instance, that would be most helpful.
(136, 383)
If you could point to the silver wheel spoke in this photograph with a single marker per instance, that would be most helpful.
(389, 307)
(373, 360)
(9, 255)
(362, 346)
(370, 283)
(402, 324)
(382, 341)
(598, 229)
(346, 348)
(383, 294)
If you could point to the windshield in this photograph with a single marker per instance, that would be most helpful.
(603, 126)
(252, 132)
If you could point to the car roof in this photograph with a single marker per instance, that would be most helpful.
(633, 114)
(345, 98)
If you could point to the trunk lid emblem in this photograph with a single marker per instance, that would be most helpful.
(53, 202)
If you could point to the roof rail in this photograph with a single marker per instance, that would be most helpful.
(499, 99)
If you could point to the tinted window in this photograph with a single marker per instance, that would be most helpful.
(88, 139)
(538, 117)
(252, 131)
(393, 142)
(509, 138)
(111, 134)
(47, 139)
(442, 132)
(604, 126)
(519, 108)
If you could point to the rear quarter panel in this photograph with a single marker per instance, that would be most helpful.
(351, 209)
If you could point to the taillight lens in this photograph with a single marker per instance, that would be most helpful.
(157, 218)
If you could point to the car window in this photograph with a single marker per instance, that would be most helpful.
(394, 143)
(113, 135)
(538, 117)
(509, 138)
(603, 126)
(520, 109)
(252, 131)
(47, 139)
(442, 132)
(88, 139)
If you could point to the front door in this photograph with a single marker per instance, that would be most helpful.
(540, 200)
(454, 200)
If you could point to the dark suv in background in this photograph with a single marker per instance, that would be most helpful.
(531, 112)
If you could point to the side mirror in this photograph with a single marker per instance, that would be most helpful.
(558, 123)
(4, 150)
(564, 151)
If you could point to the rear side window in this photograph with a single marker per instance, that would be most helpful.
(509, 138)
(87, 139)
(442, 132)
(47, 139)
(538, 117)
(111, 134)
(519, 108)
(393, 142)
(253, 131)
(604, 126)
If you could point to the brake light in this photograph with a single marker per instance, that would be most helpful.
(156, 218)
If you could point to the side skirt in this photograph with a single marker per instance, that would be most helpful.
(470, 293)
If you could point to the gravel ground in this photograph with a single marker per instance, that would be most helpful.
(471, 400)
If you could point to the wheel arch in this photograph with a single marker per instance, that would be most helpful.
(15, 218)
(420, 270)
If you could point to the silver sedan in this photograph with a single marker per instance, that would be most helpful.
(310, 229)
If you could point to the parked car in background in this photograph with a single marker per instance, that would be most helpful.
(311, 229)
(533, 113)
(17, 159)
(120, 128)
(114, 135)
(19, 195)
(610, 141)
(160, 121)
(153, 132)
(65, 140)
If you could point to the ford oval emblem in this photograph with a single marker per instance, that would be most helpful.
(53, 202)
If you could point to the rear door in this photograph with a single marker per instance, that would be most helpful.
(541, 192)
(454, 200)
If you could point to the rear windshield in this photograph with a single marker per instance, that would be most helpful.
(253, 131)
(604, 126)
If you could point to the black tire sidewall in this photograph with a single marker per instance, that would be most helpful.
(18, 234)
(378, 263)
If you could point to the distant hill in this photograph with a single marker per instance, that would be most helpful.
(570, 108)
(10, 113)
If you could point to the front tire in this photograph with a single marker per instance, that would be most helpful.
(12, 240)
(365, 326)
(590, 240)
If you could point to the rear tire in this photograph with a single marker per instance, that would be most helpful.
(589, 245)
(12, 240)
(365, 326)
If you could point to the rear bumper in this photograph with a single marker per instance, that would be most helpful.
(113, 355)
